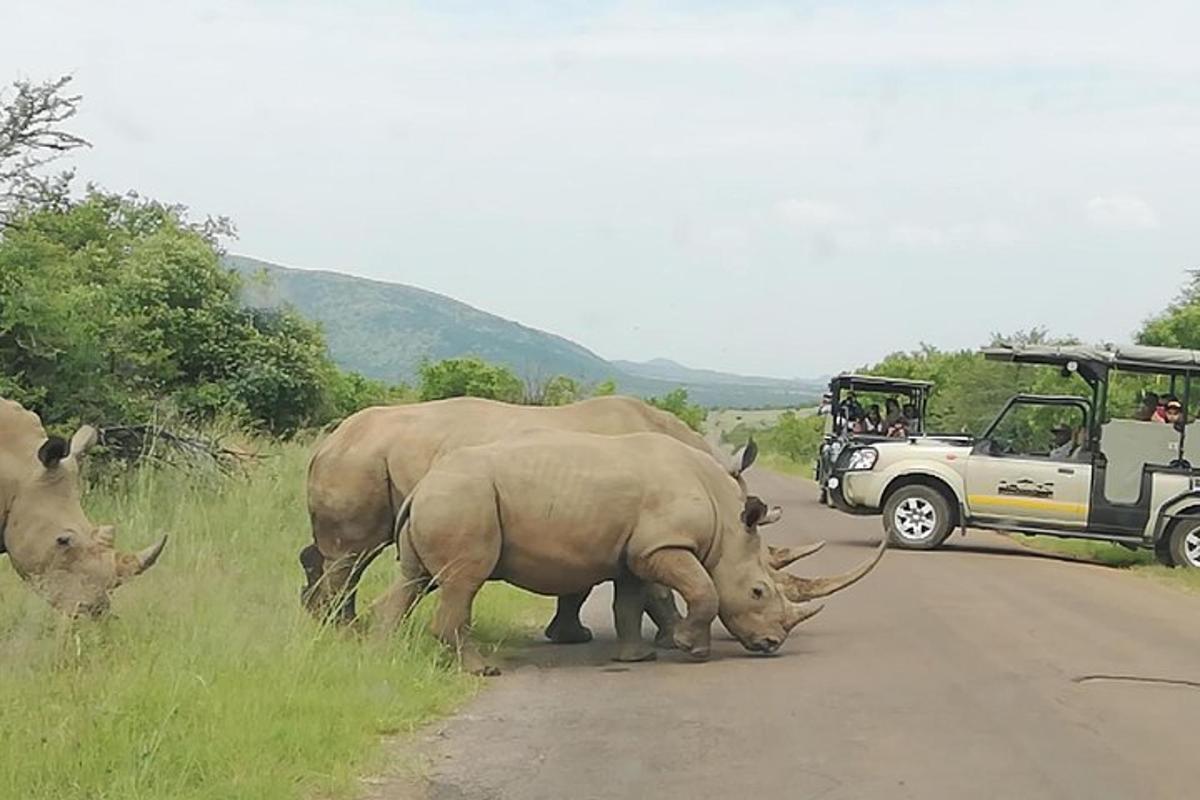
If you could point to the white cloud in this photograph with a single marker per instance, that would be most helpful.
(987, 233)
(1122, 211)
(811, 214)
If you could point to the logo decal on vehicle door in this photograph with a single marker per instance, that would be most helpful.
(1026, 488)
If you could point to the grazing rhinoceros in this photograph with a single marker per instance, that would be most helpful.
(360, 475)
(51, 544)
(556, 512)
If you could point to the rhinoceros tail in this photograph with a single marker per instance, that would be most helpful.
(402, 517)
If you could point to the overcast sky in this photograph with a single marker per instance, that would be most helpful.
(786, 189)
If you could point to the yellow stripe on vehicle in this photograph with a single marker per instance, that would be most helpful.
(1030, 503)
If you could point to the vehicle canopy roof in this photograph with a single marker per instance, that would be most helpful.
(876, 383)
(1131, 358)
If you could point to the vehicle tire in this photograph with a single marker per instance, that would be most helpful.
(1184, 545)
(917, 517)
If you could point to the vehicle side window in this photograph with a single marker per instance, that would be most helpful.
(1034, 430)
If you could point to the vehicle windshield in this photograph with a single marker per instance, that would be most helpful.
(1039, 430)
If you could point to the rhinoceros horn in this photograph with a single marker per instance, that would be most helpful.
(799, 589)
(800, 613)
(780, 557)
(131, 564)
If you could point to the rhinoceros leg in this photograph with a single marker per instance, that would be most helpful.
(566, 628)
(660, 606)
(394, 605)
(629, 599)
(678, 569)
(452, 621)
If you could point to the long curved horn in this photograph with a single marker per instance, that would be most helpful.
(780, 557)
(800, 613)
(799, 589)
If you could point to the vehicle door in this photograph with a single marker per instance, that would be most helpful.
(1023, 473)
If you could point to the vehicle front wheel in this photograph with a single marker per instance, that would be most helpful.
(917, 518)
(1184, 546)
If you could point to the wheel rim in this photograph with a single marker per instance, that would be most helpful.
(916, 519)
(1191, 548)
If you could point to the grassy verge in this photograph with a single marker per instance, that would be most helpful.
(777, 462)
(1140, 562)
(210, 682)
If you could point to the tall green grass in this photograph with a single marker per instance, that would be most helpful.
(209, 681)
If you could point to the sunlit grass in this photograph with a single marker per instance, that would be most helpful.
(209, 681)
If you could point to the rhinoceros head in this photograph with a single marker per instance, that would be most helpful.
(72, 563)
(753, 605)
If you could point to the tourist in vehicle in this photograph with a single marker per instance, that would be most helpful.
(1148, 408)
(1173, 411)
(891, 415)
(910, 416)
(1064, 441)
(874, 421)
(895, 424)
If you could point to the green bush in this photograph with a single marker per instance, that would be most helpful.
(676, 402)
(469, 377)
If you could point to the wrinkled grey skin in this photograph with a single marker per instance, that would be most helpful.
(50, 542)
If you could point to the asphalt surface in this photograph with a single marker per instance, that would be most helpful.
(966, 672)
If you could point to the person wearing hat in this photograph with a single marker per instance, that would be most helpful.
(1063, 441)
(1173, 411)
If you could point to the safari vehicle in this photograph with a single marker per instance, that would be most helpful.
(843, 390)
(1117, 480)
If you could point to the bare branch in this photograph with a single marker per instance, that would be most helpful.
(31, 136)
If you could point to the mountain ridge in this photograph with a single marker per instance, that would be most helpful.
(384, 330)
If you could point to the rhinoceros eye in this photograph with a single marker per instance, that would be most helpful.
(64, 540)
(758, 592)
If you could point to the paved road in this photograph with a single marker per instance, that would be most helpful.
(950, 674)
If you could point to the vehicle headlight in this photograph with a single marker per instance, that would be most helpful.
(863, 458)
(835, 449)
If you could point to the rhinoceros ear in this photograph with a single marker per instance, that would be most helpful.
(754, 512)
(53, 451)
(743, 458)
(83, 440)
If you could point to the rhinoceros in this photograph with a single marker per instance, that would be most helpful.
(65, 558)
(556, 512)
(359, 476)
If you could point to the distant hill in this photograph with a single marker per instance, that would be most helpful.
(384, 330)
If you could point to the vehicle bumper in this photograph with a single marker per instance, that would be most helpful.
(851, 492)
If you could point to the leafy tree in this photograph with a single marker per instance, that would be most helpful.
(676, 401)
(561, 390)
(347, 392)
(1179, 324)
(605, 388)
(469, 376)
(115, 304)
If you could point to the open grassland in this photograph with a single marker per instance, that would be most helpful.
(1140, 562)
(726, 419)
(210, 681)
